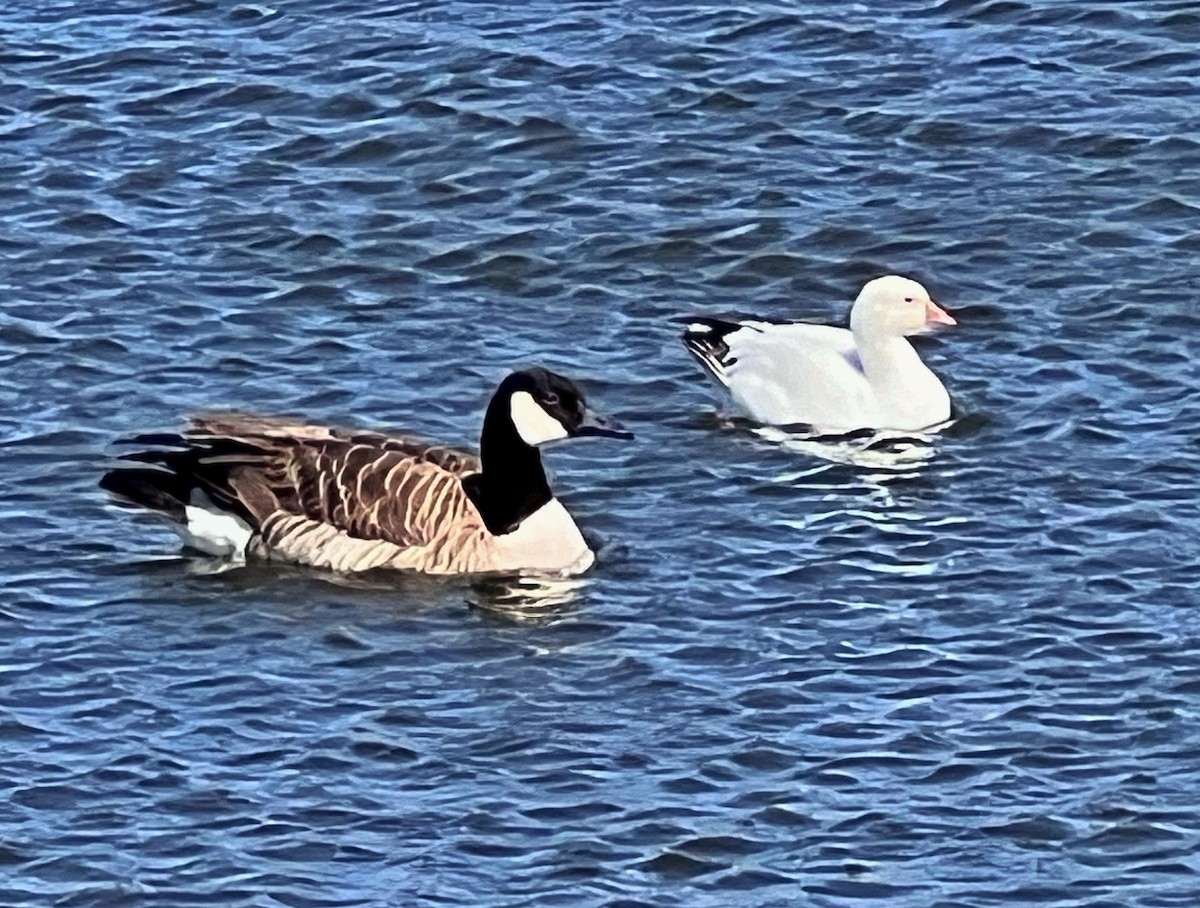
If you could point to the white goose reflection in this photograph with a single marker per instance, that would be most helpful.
(895, 451)
(884, 449)
(877, 487)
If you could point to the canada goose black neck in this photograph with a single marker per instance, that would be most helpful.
(512, 484)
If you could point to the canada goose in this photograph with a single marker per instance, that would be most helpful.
(242, 485)
(867, 377)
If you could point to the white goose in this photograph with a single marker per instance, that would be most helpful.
(238, 485)
(832, 379)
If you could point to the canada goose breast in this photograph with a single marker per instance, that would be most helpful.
(546, 540)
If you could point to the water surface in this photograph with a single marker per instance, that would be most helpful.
(970, 679)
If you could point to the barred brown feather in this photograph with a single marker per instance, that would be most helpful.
(343, 499)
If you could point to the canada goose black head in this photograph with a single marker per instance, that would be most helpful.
(531, 408)
(545, 406)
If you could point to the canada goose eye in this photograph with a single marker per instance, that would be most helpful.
(550, 399)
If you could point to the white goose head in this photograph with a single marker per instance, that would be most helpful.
(894, 306)
(546, 407)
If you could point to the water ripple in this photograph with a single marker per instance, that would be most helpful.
(953, 670)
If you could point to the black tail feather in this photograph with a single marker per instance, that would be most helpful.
(156, 440)
(178, 465)
(156, 490)
(190, 457)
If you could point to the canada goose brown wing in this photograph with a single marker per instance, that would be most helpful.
(356, 506)
(252, 427)
(405, 497)
(366, 485)
(313, 495)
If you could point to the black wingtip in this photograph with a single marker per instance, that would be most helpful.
(704, 338)
(155, 490)
(155, 440)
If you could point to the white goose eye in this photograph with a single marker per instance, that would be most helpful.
(908, 299)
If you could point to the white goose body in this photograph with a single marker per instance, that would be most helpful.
(245, 486)
(832, 379)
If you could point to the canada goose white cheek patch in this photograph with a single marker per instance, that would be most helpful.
(534, 425)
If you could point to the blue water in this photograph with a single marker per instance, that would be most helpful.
(796, 676)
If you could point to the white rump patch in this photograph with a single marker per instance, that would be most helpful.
(534, 425)
(212, 530)
(699, 328)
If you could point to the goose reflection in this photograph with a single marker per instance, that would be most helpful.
(526, 597)
(901, 453)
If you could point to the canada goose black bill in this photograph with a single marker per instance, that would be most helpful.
(239, 486)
